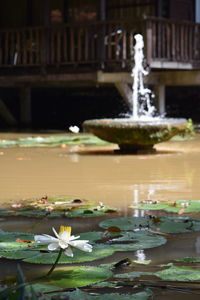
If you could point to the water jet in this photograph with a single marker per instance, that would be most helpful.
(142, 130)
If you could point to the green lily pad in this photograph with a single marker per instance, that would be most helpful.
(91, 211)
(160, 224)
(183, 206)
(5, 212)
(189, 259)
(173, 273)
(52, 207)
(132, 275)
(53, 141)
(78, 294)
(99, 251)
(179, 273)
(10, 241)
(130, 241)
(44, 257)
(29, 251)
(76, 276)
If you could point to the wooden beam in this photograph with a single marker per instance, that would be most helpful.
(103, 77)
(174, 78)
(67, 77)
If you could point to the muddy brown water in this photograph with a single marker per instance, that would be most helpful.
(99, 174)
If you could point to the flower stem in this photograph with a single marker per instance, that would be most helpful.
(55, 263)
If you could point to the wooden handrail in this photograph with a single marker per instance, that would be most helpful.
(173, 41)
(100, 42)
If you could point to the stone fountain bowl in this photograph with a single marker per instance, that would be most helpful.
(136, 135)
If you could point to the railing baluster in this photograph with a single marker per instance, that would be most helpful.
(109, 42)
(38, 47)
(86, 41)
(72, 54)
(58, 42)
(65, 56)
(6, 48)
(31, 46)
(79, 50)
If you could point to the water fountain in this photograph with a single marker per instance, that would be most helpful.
(142, 130)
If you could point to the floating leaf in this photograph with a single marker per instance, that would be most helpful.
(179, 273)
(173, 273)
(34, 253)
(78, 294)
(52, 207)
(163, 225)
(130, 241)
(189, 259)
(53, 141)
(6, 212)
(99, 251)
(132, 275)
(9, 241)
(178, 206)
(76, 276)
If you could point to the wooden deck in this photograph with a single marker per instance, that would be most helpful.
(101, 45)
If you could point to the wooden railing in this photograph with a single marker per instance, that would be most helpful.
(171, 41)
(96, 43)
(99, 43)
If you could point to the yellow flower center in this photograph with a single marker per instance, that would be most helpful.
(66, 229)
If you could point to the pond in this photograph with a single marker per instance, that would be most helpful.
(100, 174)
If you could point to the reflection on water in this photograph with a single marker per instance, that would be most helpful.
(111, 178)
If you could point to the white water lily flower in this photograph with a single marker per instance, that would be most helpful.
(63, 240)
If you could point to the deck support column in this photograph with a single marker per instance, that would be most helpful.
(6, 115)
(25, 105)
(160, 95)
(126, 93)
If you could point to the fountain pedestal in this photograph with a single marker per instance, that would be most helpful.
(141, 131)
(133, 136)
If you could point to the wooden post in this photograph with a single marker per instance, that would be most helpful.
(25, 105)
(160, 95)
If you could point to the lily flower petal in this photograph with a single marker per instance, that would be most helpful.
(55, 232)
(44, 239)
(69, 252)
(63, 244)
(73, 237)
(81, 245)
(53, 246)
